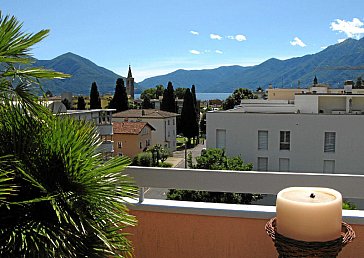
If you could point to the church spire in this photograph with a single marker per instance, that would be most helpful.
(130, 84)
(129, 73)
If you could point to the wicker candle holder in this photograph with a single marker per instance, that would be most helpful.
(287, 247)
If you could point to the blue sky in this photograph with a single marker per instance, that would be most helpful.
(156, 36)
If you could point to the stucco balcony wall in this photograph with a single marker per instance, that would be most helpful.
(191, 229)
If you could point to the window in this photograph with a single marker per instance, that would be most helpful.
(262, 140)
(173, 121)
(140, 145)
(283, 165)
(168, 121)
(285, 140)
(120, 144)
(329, 145)
(262, 164)
(220, 138)
(120, 154)
(329, 166)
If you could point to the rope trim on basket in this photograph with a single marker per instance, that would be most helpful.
(288, 247)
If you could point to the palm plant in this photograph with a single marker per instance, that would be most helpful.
(58, 198)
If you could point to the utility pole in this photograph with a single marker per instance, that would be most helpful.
(185, 153)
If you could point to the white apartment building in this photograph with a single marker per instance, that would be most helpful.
(163, 122)
(317, 132)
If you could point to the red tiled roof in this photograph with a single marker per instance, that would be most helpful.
(129, 127)
(147, 113)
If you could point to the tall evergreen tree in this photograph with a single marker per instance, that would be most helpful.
(95, 101)
(193, 91)
(120, 99)
(146, 104)
(189, 117)
(81, 104)
(66, 103)
(169, 101)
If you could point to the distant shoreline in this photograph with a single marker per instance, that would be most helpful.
(204, 96)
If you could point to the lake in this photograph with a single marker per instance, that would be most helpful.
(203, 96)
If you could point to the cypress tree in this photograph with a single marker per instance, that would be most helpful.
(169, 101)
(120, 99)
(146, 104)
(66, 103)
(81, 104)
(193, 91)
(95, 101)
(189, 117)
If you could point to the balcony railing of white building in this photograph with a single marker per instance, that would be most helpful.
(149, 210)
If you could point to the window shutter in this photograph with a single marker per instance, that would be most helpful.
(329, 145)
(262, 140)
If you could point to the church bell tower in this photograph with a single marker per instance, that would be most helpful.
(130, 84)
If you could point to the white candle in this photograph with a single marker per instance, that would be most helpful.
(309, 213)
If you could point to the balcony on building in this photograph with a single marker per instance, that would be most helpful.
(176, 229)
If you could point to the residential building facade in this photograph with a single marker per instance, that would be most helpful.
(317, 132)
(131, 138)
(163, 122)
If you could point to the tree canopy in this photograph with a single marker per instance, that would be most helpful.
(120, 98)
(95, 100)
(180, 92)
(235, 98)
(153, 93)
(169, 101)
(146, 104)
(81, 104)
(215, 159)
(189, 122)
(66, 103)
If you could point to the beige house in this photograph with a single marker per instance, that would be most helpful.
(163, 122)
(131, 138)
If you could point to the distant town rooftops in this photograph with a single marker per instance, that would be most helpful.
(130, 127)
(146, 113)
(90, 110)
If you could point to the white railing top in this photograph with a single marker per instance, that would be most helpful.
(237, 181)
(350, 186)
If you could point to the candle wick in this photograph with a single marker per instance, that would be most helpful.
(312, 195)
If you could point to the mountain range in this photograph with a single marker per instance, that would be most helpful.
(279, 73)
(293, 72)
(84, 73)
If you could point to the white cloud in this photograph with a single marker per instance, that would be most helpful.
(215, 36)
(195, 52)
(323, 47)
(194, 32)
(352, 29)
(297, 42)
(238, 37)
(340, 40)
(218, 52)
